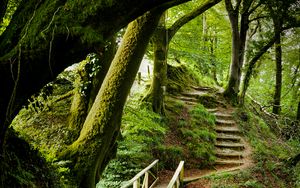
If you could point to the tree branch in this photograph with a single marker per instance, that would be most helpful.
(228, 5)
(254, 8)
(257, 18)
(188, 17)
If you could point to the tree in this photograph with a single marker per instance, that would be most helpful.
(91, 75)
(288, 22)
(96, 143)
(242, 9)
(44, 37)
(161, 41)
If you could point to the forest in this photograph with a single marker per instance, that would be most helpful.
(149, 93)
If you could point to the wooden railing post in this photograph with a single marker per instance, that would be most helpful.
(177, 179)
(146, 180)
(135, 181)
(136, 184)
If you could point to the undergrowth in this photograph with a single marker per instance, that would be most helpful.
(190, 137)
(142, 130)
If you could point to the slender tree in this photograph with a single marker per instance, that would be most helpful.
(239, 27)
(162, 38)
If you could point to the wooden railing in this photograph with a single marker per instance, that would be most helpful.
(135, 181)
(177, 179)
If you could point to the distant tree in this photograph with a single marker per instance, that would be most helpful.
(288, 21)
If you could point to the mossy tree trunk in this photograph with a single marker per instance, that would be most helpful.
(160, 45)
(96, 143)
(161, 39)
(44, 37)
(91, 74)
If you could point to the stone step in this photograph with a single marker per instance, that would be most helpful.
(229, 155)
(229, 145)
(221, 129)
(226, 137)
(187, 99)
(212, 110)
(228, 162)
(225, 122)
(223, 116)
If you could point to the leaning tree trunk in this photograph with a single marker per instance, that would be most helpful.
(250, 67)
(44, 37)
(90, 75)
(277, 94)
(156, 92)
(96, 143)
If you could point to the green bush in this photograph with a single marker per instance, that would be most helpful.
(142, 130)
(169, 156)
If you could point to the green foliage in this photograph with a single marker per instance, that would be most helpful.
(11, 8)
(169, 156)
(24, 166)
(270, 152)
(204, 50)
(199, 136)
(142, 130)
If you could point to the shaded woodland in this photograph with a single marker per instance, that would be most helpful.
(76, 106)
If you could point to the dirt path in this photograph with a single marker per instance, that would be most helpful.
(232, 150)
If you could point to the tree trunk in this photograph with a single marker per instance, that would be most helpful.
(156, 92)
(251, 66)
(105, 57)
(162, 39)
(277, 94)
(78, 110)
(96, 143)
(45, 37)
(87, 85)
(232, 88)
(239, 37)
(298, 112)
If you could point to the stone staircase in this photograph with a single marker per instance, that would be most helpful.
(229, 143)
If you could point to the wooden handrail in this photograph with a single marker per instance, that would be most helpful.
(135, 180)
(177, 177)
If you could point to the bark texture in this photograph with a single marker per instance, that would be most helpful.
(160, 44)
(96, 143)
(239, 37)
(44, 37)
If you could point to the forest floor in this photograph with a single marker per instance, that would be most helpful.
(233, 152)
